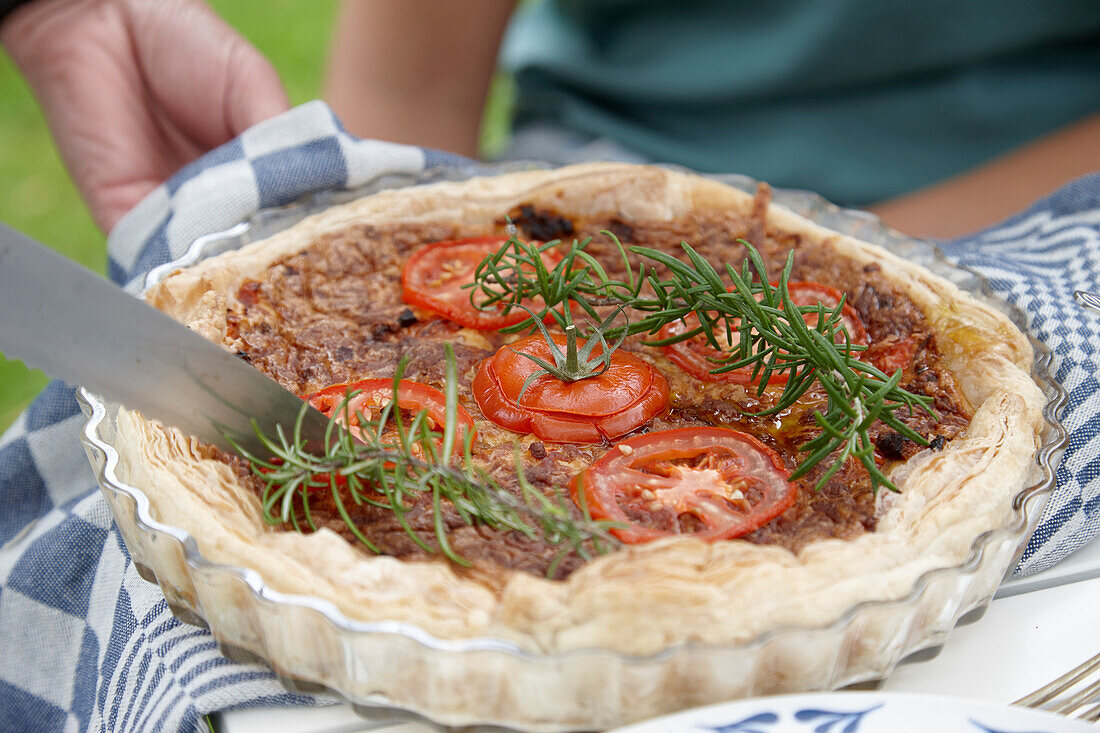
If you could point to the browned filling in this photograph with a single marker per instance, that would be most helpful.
(333, 313)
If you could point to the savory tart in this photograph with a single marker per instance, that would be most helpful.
(567, 430)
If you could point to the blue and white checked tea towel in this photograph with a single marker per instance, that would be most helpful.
(86, 644)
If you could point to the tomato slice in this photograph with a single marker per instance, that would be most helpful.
(710, 483)
(433, 279)
(376, 393)
(627, 395)
(697, 357)
(892, 353)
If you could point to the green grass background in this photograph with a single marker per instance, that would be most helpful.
(39, 199)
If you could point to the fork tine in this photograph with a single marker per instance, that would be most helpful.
(1084, 697)
(1092, 715)
(1087, 299)
(1057, 687)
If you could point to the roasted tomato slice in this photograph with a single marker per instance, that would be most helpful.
(710, 483)
(892, 353)
(697, 357)
(372, 394)
(434, 276)
(627, 395)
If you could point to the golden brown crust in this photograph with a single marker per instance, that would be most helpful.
(643, 598)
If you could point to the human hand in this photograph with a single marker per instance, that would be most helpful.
(134, 89)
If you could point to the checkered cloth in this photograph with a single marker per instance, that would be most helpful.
(85, 644)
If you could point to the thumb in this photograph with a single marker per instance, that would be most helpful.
(211, 82)
(253, 92)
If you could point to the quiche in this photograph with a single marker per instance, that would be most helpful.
(685, 506)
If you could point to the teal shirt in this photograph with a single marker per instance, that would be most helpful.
(860, 100)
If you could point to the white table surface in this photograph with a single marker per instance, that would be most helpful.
(1035, 629)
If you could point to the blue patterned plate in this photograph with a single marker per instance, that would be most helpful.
(860, 712)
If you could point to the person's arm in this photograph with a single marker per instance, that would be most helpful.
(415, 72)
(996, 190)
(134, 89)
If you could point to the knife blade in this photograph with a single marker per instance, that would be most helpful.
(71, 323)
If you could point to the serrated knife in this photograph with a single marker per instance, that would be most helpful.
(71, 323)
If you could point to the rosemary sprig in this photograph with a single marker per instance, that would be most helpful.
(393, 463)
(766, 329)
(574, 362)
(516, 276)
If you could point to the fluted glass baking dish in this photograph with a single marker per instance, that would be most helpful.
(390, 666)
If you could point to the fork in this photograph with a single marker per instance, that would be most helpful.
(1079, 687)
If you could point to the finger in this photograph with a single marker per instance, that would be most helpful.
(112, 202)
(254, 92)
(203, 75)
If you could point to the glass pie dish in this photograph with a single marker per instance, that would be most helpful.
(385, 666)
